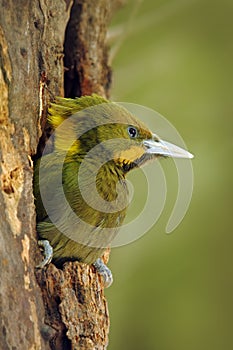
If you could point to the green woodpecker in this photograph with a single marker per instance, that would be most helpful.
(80, 188)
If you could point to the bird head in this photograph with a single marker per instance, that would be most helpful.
(122, 138)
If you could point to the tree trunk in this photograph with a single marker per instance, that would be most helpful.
(39, 41)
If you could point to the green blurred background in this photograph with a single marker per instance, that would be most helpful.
(176, 291)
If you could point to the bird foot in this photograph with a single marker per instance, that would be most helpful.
(104, 271)
(47, 250)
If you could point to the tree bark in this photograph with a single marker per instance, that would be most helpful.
(66, 309)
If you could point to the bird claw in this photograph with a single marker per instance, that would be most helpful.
(104, 271)
(47, 252)
(100, 267)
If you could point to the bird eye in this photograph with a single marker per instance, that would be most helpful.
(132, 131)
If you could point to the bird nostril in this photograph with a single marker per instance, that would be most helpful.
(155, 138)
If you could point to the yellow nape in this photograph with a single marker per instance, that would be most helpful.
(62, 108)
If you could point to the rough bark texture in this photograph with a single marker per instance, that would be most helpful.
(86, 56)
(68, 310)
(86, 53)
(75, 307)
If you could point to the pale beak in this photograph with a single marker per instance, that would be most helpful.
(164, 148)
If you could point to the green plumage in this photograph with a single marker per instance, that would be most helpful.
(101, 123)
(80, 188)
